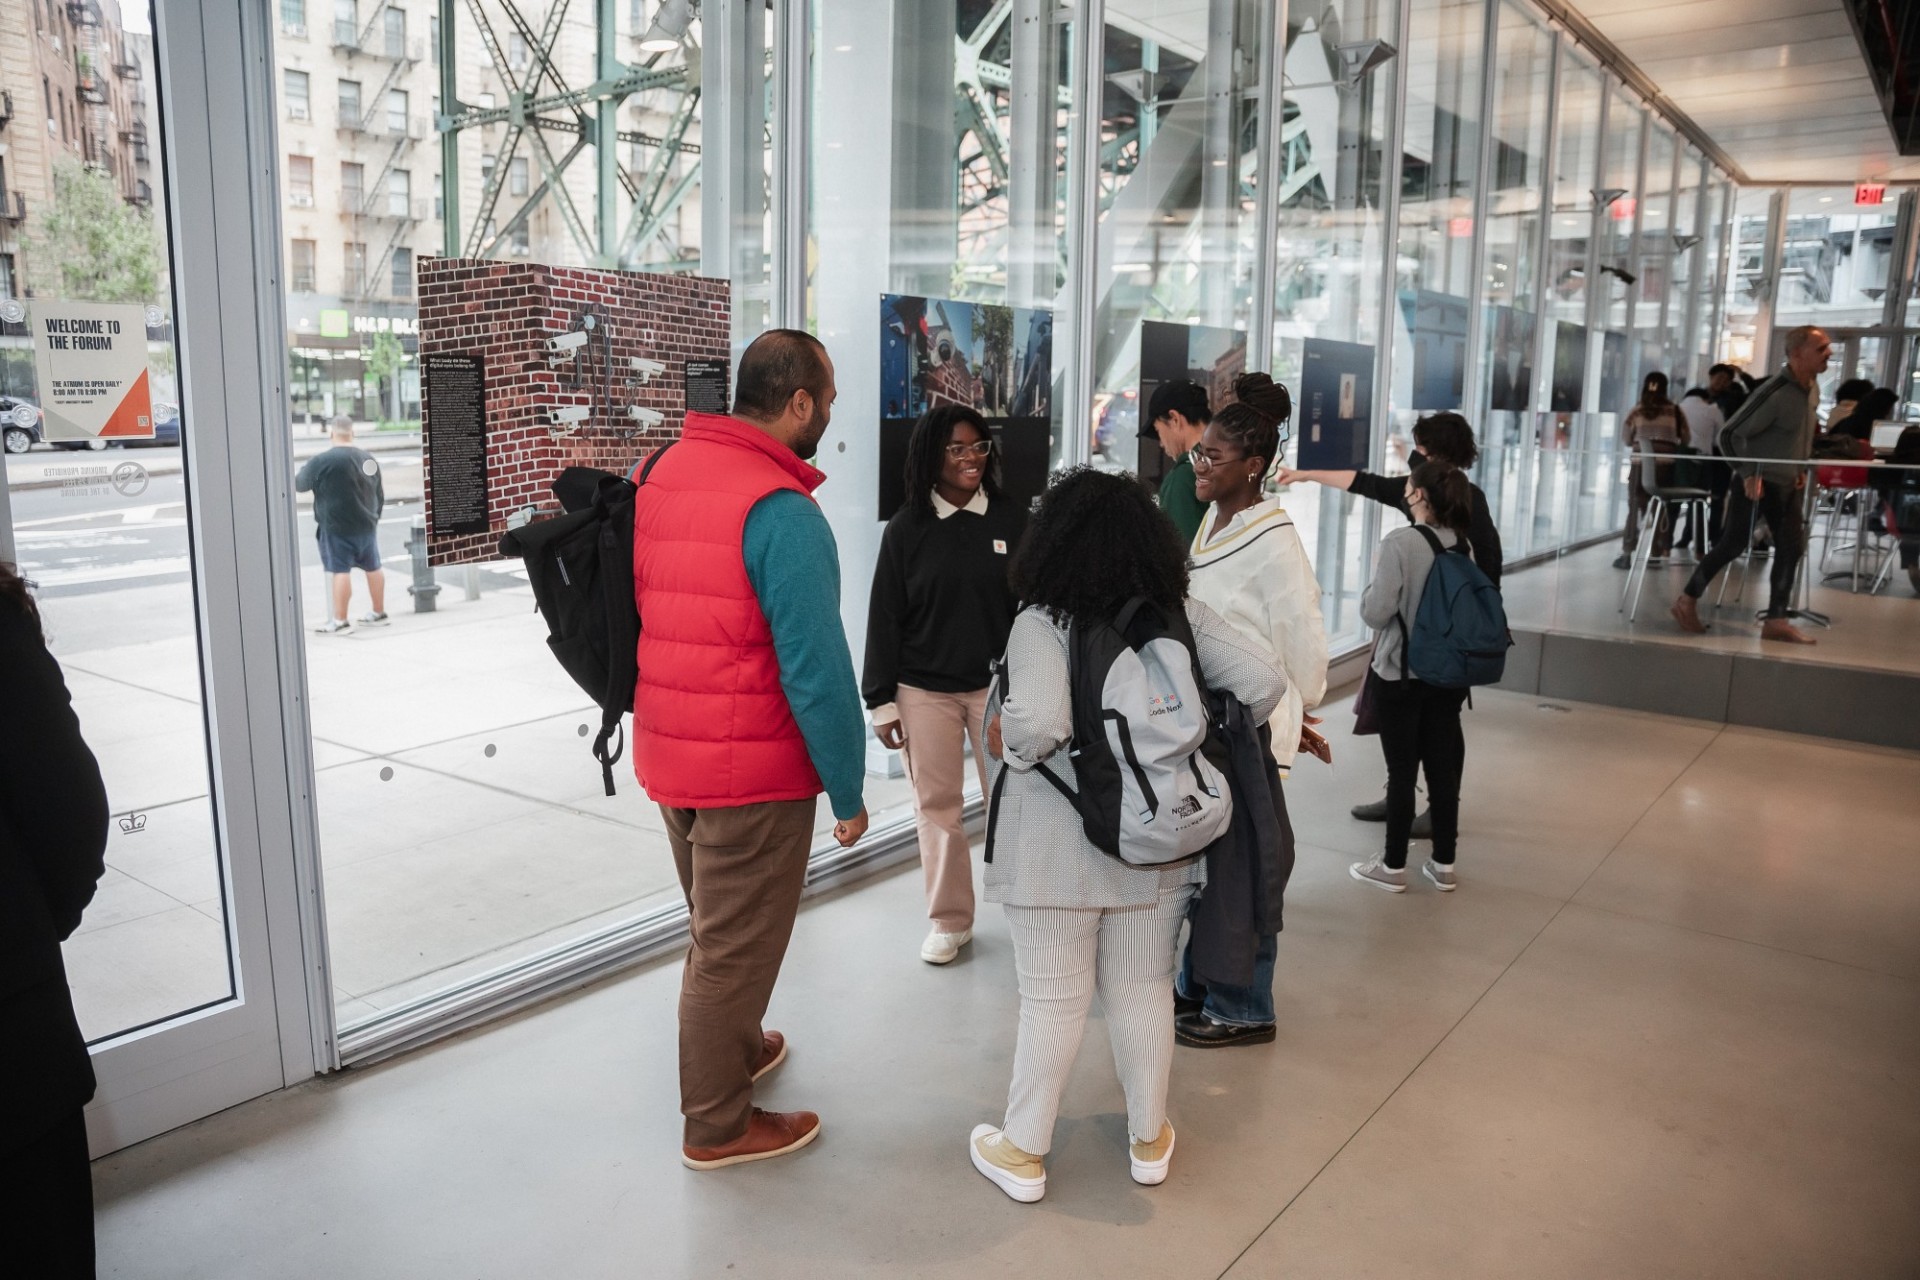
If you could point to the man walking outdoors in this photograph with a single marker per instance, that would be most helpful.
(1178, 415)
(347, 500)
(1776, 425)
(746, 711)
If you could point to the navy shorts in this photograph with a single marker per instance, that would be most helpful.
(341, 552)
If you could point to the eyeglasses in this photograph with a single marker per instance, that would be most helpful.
(978, 449)
(1206, 462)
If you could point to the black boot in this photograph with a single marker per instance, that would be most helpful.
(1198, 1031)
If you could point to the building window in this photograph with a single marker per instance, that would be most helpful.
(293, 16)
(395, 22)
(518, 241)
(353, 177)
(399, 193)
(517, 55)
(396, 111)
(353, 275)
(439, 197)
(349, 104)
(403, 273)
(295, 87)
(433, 38)
(300, 181)
(7, 288)
(303, 280)
(346, 23)
(519, 179)
(486, 167)
(66, 121)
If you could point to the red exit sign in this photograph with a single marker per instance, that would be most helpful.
(1870, 193)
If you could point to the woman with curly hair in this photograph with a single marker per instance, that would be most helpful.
(1250, 565)
(937, 619)
(1083, 920)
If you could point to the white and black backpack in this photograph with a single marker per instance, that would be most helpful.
(1142, 725)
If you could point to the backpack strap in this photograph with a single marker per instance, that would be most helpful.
(618, 597)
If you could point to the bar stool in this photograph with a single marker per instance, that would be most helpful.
(1660, 498)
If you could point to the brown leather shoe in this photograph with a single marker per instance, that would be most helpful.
(1687, 614)
(773, 1052)
(1781, 629)
(769, 1134)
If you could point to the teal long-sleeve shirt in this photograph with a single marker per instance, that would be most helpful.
(794, 567)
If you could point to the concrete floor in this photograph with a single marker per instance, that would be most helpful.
(1670, 1025)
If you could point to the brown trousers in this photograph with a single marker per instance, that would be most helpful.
(742, 870)
(939, 727)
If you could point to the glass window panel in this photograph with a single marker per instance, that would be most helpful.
(106, 529)
(1746, 277)
(1654, 319)
(1329, 256)
(1434, 285)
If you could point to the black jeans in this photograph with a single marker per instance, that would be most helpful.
(1779, 506)
(1420, 728)
(47, 1221)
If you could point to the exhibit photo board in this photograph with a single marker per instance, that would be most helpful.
(1212, 357)
(1569, 367)
(996, 360)
(1334, 406)
(528, 369)
(1510, 333)
(1437, 323)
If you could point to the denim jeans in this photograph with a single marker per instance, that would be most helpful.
(1250, 1006)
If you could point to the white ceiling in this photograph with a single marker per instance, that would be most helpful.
(1779, 85)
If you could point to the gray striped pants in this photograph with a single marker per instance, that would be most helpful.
(1064, 954)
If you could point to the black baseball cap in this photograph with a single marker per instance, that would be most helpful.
(1181, 396)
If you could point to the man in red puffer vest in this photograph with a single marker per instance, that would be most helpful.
(746, 710)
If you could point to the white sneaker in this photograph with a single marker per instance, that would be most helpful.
(333, 627)
(941, 948)
(1023, 1177)
(1441, 874)
(1149, 1169)
(1377, 873)
(373, 619)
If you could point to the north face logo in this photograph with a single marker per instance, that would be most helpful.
(1188, 806)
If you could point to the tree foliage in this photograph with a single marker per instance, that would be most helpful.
(93, 246)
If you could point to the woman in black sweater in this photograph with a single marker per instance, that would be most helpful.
(939, 617)
(53, 840)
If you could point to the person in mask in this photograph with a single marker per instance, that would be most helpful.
(1438, 437)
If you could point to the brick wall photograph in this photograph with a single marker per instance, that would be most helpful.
(504, 314)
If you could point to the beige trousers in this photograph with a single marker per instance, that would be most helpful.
(939, 728)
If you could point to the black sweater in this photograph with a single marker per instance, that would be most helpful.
(941, 605)
(1483, 537)
(53, 838)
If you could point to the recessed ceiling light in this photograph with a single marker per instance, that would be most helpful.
(1826, 199)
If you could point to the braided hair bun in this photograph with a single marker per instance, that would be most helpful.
(1253, 423)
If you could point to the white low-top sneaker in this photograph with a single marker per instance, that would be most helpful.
(941, 948)
(1150, 1159)
(1441, 874)
(1021, 1175)
(1377, 873)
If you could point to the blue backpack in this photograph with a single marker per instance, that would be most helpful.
(1459, 637)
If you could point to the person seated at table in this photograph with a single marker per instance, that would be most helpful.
(1900, 495)
(1847, 398)
(1876, 406)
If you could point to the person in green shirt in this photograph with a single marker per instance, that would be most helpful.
(1176, 416)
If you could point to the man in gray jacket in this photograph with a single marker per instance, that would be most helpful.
(1775, 426)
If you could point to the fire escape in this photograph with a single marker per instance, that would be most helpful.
(381, 140)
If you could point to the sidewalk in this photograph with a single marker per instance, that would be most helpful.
(57, 468)
(463, 823)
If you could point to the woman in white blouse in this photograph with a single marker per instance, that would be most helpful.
(1082, 919)
(1250, 566)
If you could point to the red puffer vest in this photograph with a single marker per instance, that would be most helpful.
(711, 724)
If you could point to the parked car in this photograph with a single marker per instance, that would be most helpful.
(166, 425)
(20, 419)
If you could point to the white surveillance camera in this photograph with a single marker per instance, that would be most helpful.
(571, 415)
(646, 417)
(561, 344)
(646, 369)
